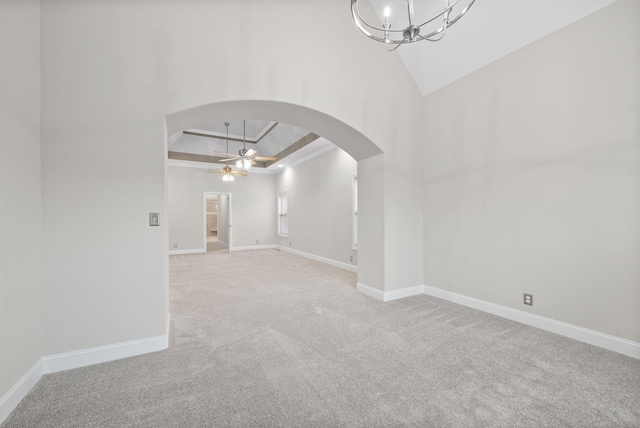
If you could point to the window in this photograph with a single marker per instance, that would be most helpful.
(283, 209)
(355, 212)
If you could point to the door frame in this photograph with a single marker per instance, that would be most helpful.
(208, 195)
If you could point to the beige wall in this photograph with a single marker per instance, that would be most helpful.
(253, 208)
(531, 163)
(20, 192)
(113, 70)
(532, 177)
(320, 206)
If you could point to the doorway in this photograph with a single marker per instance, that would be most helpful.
(217, 222)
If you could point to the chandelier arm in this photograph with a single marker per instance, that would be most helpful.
(381, 39)
(450, 22)
(429, 37)
(444, 11)
(360, 22)
(372, 31)
(441, 31)
(398, 44)
(453, 21)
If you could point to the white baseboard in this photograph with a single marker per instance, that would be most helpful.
(317, 258)
(254, 247)
(403, 292)
(75, 359)
(592, 337)
(14, 396)
(370, 291)
(102, 354)
(189, 251)
(388, 296)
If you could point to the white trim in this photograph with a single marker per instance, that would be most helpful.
(354, 211)
(305, 158)
(102, 354)
(283, 213)
(370, 291)
(254, 247)
(321, 259)
(208, 166)
(592, 337)
(190, 251)
(403, 292)
(71, 360)
(388, 296)
(19, 390)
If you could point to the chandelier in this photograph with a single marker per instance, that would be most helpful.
(431, 25)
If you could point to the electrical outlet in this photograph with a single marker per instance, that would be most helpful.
(289, 243)
(175, 245)
(350, 258)
(528, 299)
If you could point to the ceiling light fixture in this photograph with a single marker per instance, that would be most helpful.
(228, 172)
(433, 27)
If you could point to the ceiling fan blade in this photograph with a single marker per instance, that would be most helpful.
(225, 160)
(264, 158)
(240, 172)
(251, 152)
(226, 154)
(252, 162)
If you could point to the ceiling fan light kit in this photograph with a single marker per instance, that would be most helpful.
(245, 157)
(430, 26)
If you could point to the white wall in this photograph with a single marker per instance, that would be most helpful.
(320, 206)
(253, 208)
(532, 177)
(20, 192)
(113, 70)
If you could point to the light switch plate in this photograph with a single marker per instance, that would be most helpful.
(154, 219)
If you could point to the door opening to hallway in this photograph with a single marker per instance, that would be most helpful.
(217, 225)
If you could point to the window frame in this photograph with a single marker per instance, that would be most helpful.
(354, 212)
(283, 214)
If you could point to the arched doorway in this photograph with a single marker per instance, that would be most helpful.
(357, 145)
(334, 130)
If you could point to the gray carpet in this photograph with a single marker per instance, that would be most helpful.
(216, 247)
(269, 339)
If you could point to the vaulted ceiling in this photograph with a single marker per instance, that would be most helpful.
(490, 30)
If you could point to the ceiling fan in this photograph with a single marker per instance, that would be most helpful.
(245, 158)
(227, 172)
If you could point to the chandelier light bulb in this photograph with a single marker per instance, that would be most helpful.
(413, 27)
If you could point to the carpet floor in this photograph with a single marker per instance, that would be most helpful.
(216, 247)
(269, 339)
